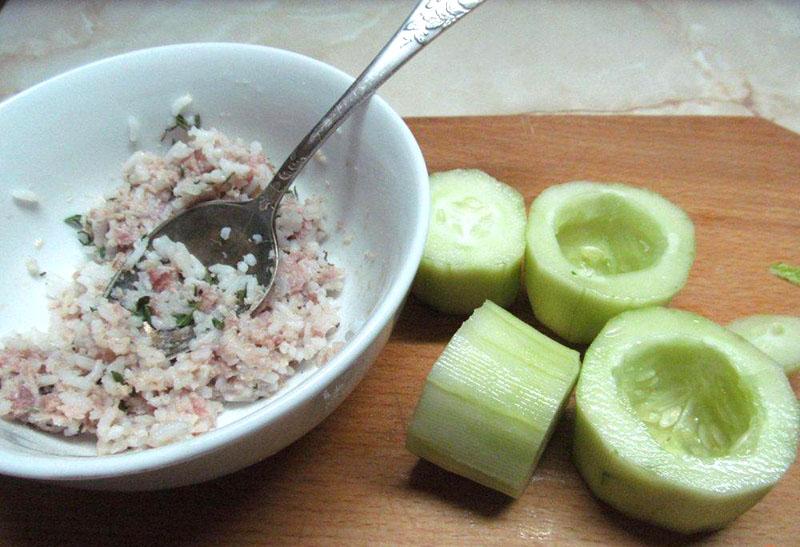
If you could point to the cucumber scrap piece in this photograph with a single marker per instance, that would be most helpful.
(776, 335)
(680, 422)
(787, 272)
(475, 245)
(595, 250)
(492, 399)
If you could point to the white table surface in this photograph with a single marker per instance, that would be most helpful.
(510, 56)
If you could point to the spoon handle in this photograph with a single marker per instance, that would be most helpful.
(428, 19)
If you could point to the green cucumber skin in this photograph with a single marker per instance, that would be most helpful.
(565, 312)
(492, 399)
(656, 502)
(460, 291)
(515, 450)
(442, 407)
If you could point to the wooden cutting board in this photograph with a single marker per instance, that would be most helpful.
(351, 481)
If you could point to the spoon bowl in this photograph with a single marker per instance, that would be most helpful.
(247, 231)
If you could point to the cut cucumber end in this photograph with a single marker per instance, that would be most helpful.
(776, 335)
(595, 250)
(475, 245)
(679, 422)
(492, 399)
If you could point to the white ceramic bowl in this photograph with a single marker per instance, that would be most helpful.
(66, 139)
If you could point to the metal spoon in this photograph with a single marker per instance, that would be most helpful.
(199, 226)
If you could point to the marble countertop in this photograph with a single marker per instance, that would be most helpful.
(509, 57)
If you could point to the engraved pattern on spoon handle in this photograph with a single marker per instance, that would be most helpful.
(428, 19)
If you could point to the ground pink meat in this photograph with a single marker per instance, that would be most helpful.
(161, 278)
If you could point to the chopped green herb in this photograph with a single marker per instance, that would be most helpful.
(181, 122)
(42, 274)
(786, 272)
(197, 121)
(143, 308)
(117, 377)
(183, 320)
(218, 323)
(84, 237)
(211, 278)
(75, 221)
(229, 177)
(101, 252)
(241, 295)
(182, 171)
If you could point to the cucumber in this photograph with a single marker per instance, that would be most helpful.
(595, 250)
(475, 244)
(680, 422)
(787, 272)
(492, 399)
(776, 335)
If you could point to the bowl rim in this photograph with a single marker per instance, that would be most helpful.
(81, 468)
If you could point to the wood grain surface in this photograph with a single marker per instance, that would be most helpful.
(350, 481)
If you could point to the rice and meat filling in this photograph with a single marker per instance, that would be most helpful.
(98, 372)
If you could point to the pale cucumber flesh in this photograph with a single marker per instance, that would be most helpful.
(689, 399)
(605, 235)
(595, 250)
(492, 399)
(776, 335)
(679, 422)
(475, 244)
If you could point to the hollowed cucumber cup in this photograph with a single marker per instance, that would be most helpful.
(595, 250)
(680, 422)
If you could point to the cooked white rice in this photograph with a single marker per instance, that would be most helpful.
(25, 197)
(98, 372)
(180, 104)
(32, 266)
(134, 129)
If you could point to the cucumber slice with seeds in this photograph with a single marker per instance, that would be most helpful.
(776, 335)
(595, 250)
(679, 421)
(492, 399)
(475, 243)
